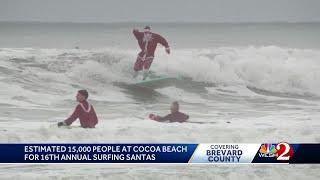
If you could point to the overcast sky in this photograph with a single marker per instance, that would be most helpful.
(160, 10)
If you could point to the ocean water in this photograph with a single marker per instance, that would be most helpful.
(240, 83)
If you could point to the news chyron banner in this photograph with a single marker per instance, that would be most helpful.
(210, 153)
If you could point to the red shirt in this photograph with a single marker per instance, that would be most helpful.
(86, 114)
(148, 42)
(174, 117)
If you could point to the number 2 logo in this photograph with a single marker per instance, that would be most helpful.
(284, 151)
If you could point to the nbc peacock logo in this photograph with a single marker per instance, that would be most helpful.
(267, 150)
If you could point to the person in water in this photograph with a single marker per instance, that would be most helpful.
(175, 115)
(84, 111)
(147, 41)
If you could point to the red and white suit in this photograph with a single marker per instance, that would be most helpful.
(148, 42)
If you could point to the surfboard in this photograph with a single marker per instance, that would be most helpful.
(69, 127)
(156, 82)
(64, 127)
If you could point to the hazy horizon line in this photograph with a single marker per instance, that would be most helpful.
(162, 22)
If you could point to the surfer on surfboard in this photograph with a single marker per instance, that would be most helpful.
(84, 111)
(174, 116)
(147, 41)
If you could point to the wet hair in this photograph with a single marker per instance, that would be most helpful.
(175, 103)
(147, 27)
(84, 93)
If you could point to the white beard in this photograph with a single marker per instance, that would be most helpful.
(147, 37)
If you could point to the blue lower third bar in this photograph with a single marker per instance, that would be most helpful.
(96, 153)
(160, 153)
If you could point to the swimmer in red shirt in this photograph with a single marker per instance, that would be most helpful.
(175, 115)
(84, 111)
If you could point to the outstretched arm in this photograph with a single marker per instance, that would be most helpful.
(159, 118)
(164, 43)
(137, 34)
(74, 116)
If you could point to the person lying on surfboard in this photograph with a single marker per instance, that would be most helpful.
(84, 111)
(147, 41)
(174, 116)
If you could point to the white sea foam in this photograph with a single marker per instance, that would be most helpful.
(58, 71)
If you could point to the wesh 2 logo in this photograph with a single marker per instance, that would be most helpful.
(282, 151)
